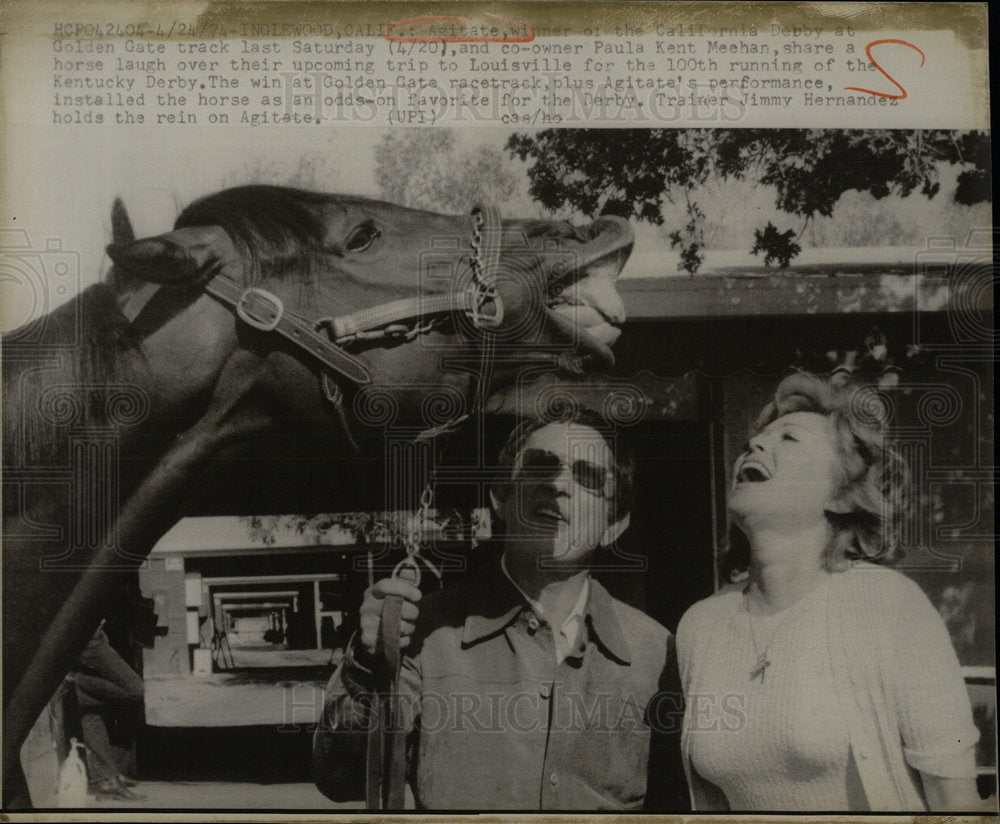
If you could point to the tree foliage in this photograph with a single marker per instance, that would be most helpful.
(634, 173)
(690, 239)
(776, 246)
(365, 528)
(316, 169)
(427, 169)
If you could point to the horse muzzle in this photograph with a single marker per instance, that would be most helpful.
(559, 291)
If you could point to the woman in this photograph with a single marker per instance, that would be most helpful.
(827, 681)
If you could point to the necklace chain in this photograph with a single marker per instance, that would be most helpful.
(763, 662)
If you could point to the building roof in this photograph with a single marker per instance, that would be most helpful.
(823, 282)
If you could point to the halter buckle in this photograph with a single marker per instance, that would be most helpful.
(260, 309)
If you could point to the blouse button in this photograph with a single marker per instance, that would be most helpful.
(545, 690)
(554, 779)
(866, 753)
(532, 623)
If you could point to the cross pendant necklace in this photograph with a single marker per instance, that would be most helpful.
(761, 667)
(763, 662)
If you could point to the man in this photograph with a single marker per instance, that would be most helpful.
(528, 686)
(105, 686)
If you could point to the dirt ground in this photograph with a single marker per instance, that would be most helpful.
(191, 795)
(291, 696)
(228, 741)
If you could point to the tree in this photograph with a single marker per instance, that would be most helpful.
(634, 173)
(315, 169)
(428, 169)
(775, 245)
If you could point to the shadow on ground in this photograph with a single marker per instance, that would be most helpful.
(260, 754)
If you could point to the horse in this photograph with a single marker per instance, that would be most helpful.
(266, 312)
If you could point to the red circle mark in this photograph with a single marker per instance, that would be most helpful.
(395, 38)
(868, 51)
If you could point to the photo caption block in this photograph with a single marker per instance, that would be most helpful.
(659, 69)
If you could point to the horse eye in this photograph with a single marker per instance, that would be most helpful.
(361, 238)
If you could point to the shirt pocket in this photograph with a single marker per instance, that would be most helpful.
(607, 732)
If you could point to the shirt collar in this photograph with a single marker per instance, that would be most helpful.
(602, 620)
(498, 601)
(578, 611)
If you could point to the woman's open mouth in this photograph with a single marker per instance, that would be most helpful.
(752, 472)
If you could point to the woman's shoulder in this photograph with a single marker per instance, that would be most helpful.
(876, 592)
(704, 612)
(877, 583)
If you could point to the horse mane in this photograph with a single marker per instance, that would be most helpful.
(277, 230)
(82, 348)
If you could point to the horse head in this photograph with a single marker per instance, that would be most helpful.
(401, 301)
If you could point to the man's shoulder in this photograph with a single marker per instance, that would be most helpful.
(450, 606)
(452, 601)
(636, 622)
(643, 641)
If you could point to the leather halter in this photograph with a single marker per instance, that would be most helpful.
(265, 312)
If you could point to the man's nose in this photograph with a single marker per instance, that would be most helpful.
(561, 477)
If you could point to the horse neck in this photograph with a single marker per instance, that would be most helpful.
(83, 380)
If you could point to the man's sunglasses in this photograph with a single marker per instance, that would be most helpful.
(539, 464)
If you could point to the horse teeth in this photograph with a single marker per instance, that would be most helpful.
(581, 314)
(597, 291)
(605, 333)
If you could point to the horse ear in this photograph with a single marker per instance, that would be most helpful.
(184, 256)
(121, 226)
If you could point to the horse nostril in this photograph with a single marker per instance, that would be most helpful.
(601, 226)
(617, 226)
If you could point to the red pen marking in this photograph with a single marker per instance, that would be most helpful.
(396, 38)
(868, 51)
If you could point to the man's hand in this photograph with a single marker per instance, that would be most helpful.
(371, 611)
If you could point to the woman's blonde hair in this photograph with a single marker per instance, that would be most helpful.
(873, 498)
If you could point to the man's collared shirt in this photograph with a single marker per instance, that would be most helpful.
(569, 631)
(497, 723)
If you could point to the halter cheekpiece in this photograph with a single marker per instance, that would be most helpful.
(480, 303)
